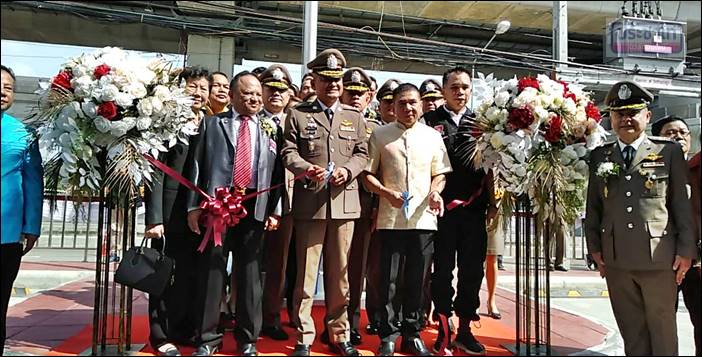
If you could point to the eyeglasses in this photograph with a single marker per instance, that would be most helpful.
(673, 132)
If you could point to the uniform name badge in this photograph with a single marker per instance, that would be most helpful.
(653, 164)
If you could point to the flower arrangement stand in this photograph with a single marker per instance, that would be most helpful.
(533, 297)
(112, 309)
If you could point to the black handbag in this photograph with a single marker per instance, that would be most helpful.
(145, 269)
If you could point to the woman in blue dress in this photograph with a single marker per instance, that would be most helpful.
(22, 192)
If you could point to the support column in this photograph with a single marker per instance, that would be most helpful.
(309, 48)
(212, 52)
(560, 33)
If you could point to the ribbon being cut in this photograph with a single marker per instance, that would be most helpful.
(223, 210)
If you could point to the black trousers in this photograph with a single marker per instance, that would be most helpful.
(692, 295)
(245, 241)
(461, 235)
(171, 315)
(357, 268)
(11, 257)
(416, 247)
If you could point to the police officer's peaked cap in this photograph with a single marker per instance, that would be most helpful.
(276, 76)
(430, 88)
(329, 63)
(627, 95)
(385, 91)
(356, 79)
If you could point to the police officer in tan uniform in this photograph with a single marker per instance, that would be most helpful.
(432, 98)
(276, 82)
(639, 225)
(326, 140)
(357, 93)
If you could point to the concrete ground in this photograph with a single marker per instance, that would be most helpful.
(53, 301)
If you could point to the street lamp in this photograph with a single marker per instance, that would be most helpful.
(502, 27)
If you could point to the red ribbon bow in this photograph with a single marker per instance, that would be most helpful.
(221, 211)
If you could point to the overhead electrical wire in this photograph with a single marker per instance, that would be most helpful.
(425, 50)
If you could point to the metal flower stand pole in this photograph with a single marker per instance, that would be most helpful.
(112, 309)
(533, 297)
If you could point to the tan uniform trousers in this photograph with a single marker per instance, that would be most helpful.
(277, 244)
(643, 303)
(331, 237)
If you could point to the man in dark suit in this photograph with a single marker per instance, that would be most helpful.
(462, 231)
(166, 209)
(639, 225)
(238, 150)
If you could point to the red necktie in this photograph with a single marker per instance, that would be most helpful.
(242, 163)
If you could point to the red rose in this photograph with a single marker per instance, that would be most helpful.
(565, 87)
(571, 96)
(101, 70)
(592, 112)
(62, 81)
(527, 82)
(107, 110)
(520, 118)
(553, 133)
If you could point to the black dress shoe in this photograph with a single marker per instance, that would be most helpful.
(344, 349)
(206, 350)
(560, 267)
(356, 338)
(386, 349)
(414, 346)
(301, 350)
(372, 328)
(275, 332)
(247, 349)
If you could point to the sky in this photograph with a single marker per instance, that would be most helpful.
(33, 59)
(44, 60)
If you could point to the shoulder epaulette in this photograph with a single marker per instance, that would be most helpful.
(348, 107)
(374, 121)
(661, 138)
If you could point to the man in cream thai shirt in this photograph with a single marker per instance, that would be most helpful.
(407, 164)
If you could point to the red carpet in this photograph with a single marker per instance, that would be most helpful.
(491, 333)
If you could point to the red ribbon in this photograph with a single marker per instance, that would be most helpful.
(444, 324)
(223, 210)
(455, 203)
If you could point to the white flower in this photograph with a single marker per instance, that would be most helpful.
(162, 93)
(101, 124)
(109, 92)
(569, 106)
(607, 169)
(582, 168)
(137, 90)
(496, 140)
(82, 86)
(156, 104)
(124, 100)
(492, 113)
(120, 128)
(541, 114)
(502, 98)
(526, 97)
(143, 123)
(145, 108)
(89, 108)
